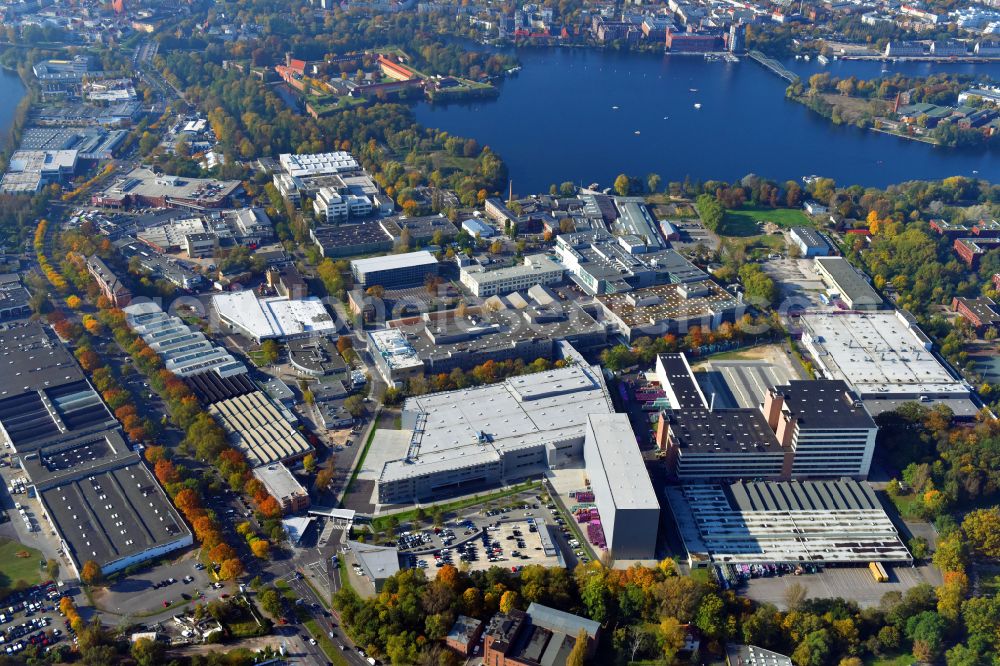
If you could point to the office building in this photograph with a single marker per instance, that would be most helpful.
(184, 351)
(845, 282)
(394, 271)
(317, 164)
(378, 563)
(467, 439)
(536, 269)
(200, 245)
(332, 207)
(540, 636)
(282, 485)
(316, 356)
(886, 359)
(143, 187)
(623, 493)
(111, 287)
(809, 241)
(737, 42)
(821, 523)
(276, 317)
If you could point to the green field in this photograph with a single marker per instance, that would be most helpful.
(16, 568)
(743, 222)
(901, 660)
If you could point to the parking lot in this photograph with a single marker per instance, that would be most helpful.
(516, 544)
(152, 590)
(31, 617)
(798, 282)
(854, 583)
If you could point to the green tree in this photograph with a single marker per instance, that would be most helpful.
(623, 185)
(578, 654)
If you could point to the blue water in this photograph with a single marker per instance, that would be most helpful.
(11, 93)
(554, 121)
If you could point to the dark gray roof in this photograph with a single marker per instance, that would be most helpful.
(722, 430)
(825, 403)
(842, 495)
(810, 237)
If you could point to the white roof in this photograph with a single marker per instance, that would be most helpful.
(620, 462)
(391, 261)
(474, 426)
(878, 352)
(395, 350)
(276, 317)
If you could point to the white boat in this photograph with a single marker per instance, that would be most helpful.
(693, 89)
(822, 59)
(806, 57)
(614, 108)
(697, 105)
(637, 132)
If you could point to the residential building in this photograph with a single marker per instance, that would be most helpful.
(397, 270)
(981, 312)
(111, 287)
(464, 635)
(905, 49)
(971, 250)
(536, 269)
(537, 637)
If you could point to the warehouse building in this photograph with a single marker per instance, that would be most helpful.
(845, 282)
(809, 241)
(626, 501)
(394, 271)
(273, 318)
(536, 269)
(378, 563)
(796, 522)
(144, 187)
(15, 300)
(473, 438)
(886, 359)
(184, 351)
(262, 432)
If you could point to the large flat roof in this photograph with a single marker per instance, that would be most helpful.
(393, 261)
(259, 429)
(878, 353)
(276, 317)
(849, 281)
(458, 428)
(818, 522)
(621, 463)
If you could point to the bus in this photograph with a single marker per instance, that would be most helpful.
(878, 572)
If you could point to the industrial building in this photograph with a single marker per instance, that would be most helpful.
(623, 493)
(845, 282)
(603, 264)
(540, 636)
(143, 187)
(536, 269)
(885, 358)
(393, 271)
(282, 485)
(317, 164)
(803, 429)
(378, 563)
(809, 241)
(670, 308)
(90, 143)
(827, 523)
(184, 351)
(159, 264)
(259, 429)
(316, 356)
(518, 327)
(274, 317)
(96, 494)
(15, 300)
(28, 171)
(477, 437)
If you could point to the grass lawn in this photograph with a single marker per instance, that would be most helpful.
(14, 568)
(743, 222)
(446, 162)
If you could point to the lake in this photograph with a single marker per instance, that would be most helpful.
(11, 93)
(556, 121)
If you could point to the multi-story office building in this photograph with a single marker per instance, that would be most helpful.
(536, 269)
(394, 271)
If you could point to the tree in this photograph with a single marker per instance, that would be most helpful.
(147, 652)
(261, 549)
(653, 182)
(814, 650)
(90, 573)
(508, 601)
(671, 635)
(52, 569)
(270, 350)
(982, 529)
(309, 463)
(578, 654)
(623, 184)
(927, 631)
(73, 302)
(794, 595)
(231, 569)
(355, 406)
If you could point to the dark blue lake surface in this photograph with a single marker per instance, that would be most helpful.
(555, 121)
(11, 93)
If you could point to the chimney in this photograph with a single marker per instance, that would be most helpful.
(661, 431)
(785, 430)
(773, 402)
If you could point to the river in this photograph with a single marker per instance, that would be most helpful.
(11, 93)
(556, 120)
